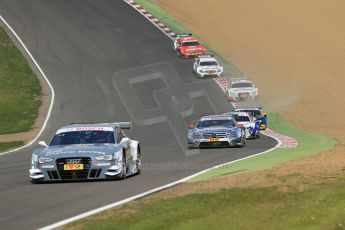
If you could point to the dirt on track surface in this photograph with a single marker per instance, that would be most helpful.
(294, 50)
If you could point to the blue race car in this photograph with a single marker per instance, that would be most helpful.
(87, 152)
(255, 111)
(245, 120)
(216, 131)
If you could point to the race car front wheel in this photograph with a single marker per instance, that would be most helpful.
(123, 173)
(36, 181)
(243, 140)
(138, 163)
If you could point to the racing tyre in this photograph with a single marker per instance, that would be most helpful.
(36, 181)
(138, 163)
(243, 141)
(123, 173)
(196, 75)
(179, 54)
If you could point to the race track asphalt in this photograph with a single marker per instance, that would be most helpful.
(107, 63)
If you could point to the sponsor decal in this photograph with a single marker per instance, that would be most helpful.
(92, 152)
(47, 166)
(101, 164)
(213, 139)
(89, 128)
(60, 151)
(73, 167)
(76, 129)
(216, 118)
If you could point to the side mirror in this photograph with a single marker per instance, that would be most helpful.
(124, 141)
(43, 143)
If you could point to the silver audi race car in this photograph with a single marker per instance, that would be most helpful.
(87, 152)
(241, 89)
(216, 131)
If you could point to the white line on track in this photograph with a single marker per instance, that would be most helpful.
(45, 78)
(154, 190)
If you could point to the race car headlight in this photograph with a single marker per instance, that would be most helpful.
(105, 157)
(34, 157)
(196, 136)
(43, 160)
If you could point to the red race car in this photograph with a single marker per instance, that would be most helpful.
(187, 46)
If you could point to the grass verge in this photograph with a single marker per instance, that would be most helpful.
(19, 89)
(310, 143)
(10, 145)
(318, 206)
(19, 92)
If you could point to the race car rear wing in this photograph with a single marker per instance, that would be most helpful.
(233, 79)
(205, 56)
(183, 35)
(124, 124)
(121, 124)
(246, 105)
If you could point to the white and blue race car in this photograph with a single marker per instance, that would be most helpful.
(245, 120)
(254, 111)
(87, 152)
(216, 131)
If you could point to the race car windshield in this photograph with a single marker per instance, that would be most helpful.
(208, 63)
(215, 123)
(241, 85)
(194, 43)
(242, 118)
(252, 112)
(83, 137)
